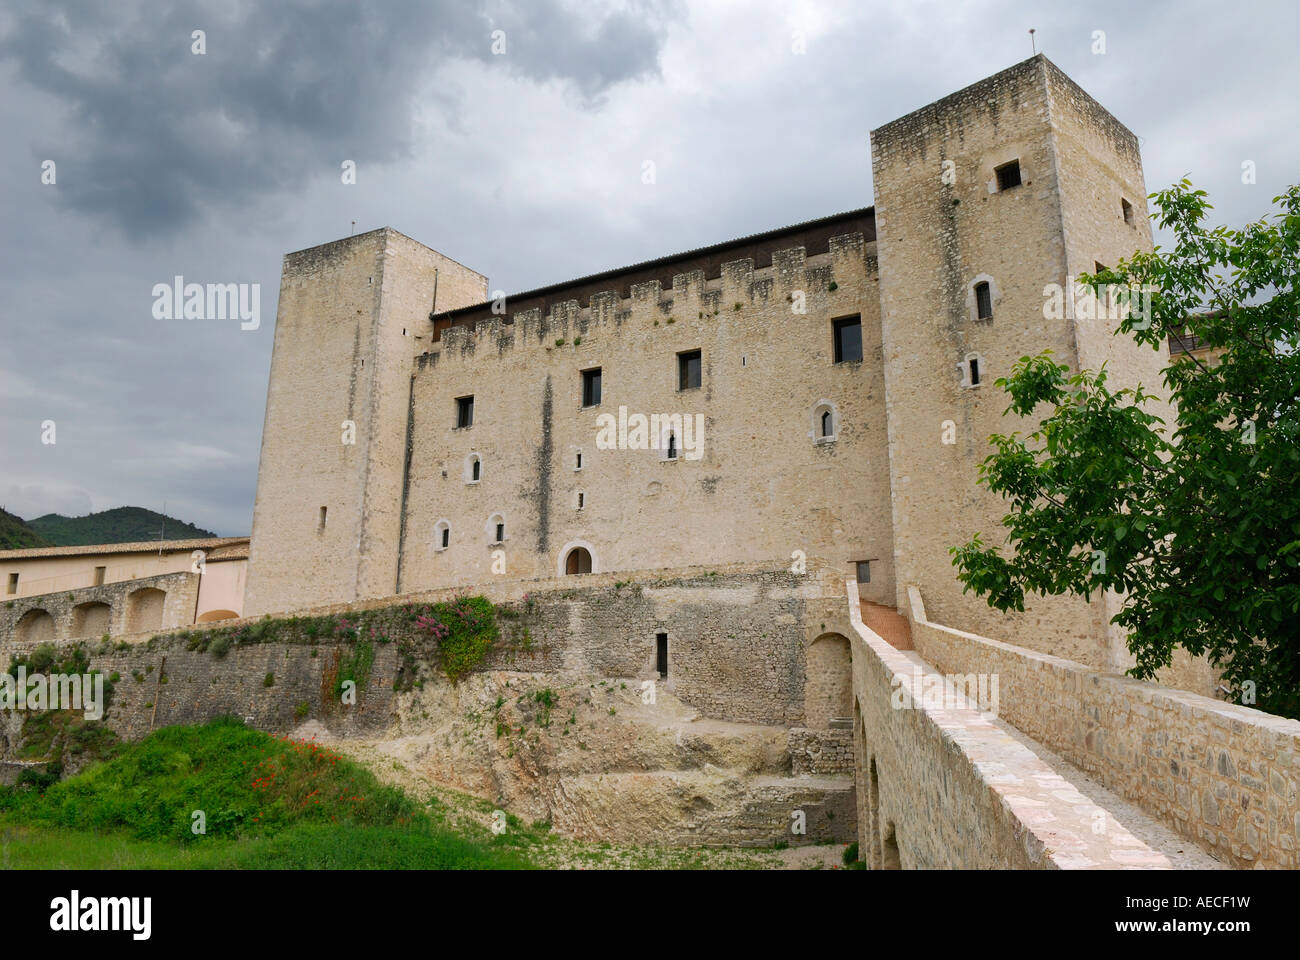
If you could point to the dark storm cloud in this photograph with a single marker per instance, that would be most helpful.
(284, 93)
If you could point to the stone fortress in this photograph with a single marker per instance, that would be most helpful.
(737, 472)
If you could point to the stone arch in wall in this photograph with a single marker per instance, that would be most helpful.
(35, 626)
(91, 619)
(576, 557)
(828, 684)
(217, 615)
(873, 808)
(144, 610)
(889, 855)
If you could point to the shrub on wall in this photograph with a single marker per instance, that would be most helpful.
(464, 630)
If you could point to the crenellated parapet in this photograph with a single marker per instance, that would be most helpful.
(739, 287)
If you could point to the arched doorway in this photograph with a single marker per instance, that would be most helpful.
(828, 689)
(577, 561)
(144, 610)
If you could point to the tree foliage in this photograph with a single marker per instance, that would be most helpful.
(1195, 523)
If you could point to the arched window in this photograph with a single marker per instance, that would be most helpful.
(983, 301)
(441, 535)
(473, 468)
(496, 528)
(671, 448)
(578, 561)
(972, 370)
(825, 422)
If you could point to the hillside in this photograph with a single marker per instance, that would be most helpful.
(16, 534)
(119, 525)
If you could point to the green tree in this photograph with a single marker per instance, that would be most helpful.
(1196, 524)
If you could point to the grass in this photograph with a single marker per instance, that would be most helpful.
(267, 803)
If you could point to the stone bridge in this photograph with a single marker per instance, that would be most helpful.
(974, 753)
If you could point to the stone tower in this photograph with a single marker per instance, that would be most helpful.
(351, 318)
(983, 200)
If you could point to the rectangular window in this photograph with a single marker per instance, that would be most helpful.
(983, 301)
(591, 388)
(323, 510)
(578, 462)
(974, 372)
(501, 532)
(848, 339)
(446, 537)
(661, 654)
(864, 571)
(464, 412)
(688, 370)
(99, 575)
(1008, 175)
(581, 500)
(13, 583)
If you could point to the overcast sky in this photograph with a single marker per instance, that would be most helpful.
(526, 166)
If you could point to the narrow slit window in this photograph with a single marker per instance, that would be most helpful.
(661, 654)
(581, 500)
(671, 447)
(323, 511)
(1008, 175)
(974, 371)
(848, 339)
(828, 424)
(476, 469)
(446, 537)
(501, 533)
(983, 301)
(1126, 208)
(578, 461)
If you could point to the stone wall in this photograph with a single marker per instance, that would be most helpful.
(1223, 775)
(81, 613)
(821, 752)
(764, 484)
(948, 789)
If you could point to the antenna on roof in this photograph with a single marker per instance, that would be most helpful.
(354, 228)
(1032, 45)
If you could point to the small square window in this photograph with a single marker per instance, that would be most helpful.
(1127, 209)
(688, 370)
(591, 388)
(983, 301)
(464, 412)
(848, 339)
(864, 571)
(1008, 175)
